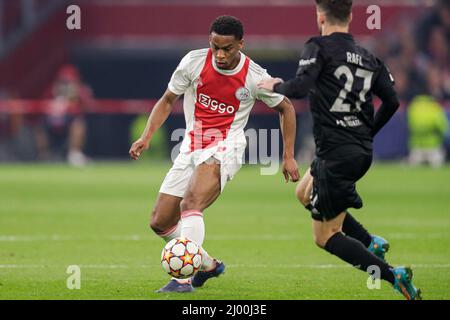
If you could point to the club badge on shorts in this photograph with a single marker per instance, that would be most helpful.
(242, 94)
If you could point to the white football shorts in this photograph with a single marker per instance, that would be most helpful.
(229, 153)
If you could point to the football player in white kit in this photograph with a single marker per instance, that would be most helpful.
(220, 88)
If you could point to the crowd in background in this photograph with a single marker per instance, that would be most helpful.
(418, 55)
(417, 52)
(56, 135)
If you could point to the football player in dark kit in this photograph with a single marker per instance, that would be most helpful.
(340, 77)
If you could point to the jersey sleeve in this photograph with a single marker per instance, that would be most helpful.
(383, 85)
(309, 68)
(311, 60)
(180, 80)
(271, 99)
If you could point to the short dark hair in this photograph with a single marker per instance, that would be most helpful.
(337, 11)
(227, 26)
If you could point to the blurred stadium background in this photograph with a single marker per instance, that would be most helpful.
(77, 95)
(122, 58)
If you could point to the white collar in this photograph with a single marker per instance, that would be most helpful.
(233, 71)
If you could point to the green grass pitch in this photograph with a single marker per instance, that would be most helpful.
(53, 216)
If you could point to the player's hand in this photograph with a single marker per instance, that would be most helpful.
(290, 170)
(269, 83)
(137, 147)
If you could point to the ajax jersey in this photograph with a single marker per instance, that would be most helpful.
(217, 103)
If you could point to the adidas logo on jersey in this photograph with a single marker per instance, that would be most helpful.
(214, 105)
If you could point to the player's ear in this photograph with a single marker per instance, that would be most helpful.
(241, 44)
(350, 18)
(320, 18)
(323, 18)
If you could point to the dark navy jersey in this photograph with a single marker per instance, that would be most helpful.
(340, 78)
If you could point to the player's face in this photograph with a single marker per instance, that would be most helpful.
(225, 50)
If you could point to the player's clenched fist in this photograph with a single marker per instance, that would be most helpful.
(137, 147)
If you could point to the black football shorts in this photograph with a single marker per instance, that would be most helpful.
(334, 189)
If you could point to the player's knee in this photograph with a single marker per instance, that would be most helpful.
(320, 241)
(156, 223)
(155, 226)
(190, 202)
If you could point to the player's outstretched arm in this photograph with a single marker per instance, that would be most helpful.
(268, 84)
(157, 117)
(310, 66)
(296, 88)
(288, 127)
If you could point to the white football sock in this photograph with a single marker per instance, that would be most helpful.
(208, 263)
(171, 233)
(193, 228)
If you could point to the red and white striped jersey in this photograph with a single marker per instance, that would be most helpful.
(217, 103)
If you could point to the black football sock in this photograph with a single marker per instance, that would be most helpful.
(353, 252)
(352, 228)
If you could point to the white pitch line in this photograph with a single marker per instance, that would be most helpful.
(256, 266)
(22, 266)
(18, 238)
(83, 266)
(29, 238)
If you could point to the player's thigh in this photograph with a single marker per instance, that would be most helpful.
(204, 186)
(166, 212)
(304, 188)
(323, 230)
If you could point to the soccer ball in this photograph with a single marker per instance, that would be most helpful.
(181, 258)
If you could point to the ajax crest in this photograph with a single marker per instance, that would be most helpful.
(242, 94)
